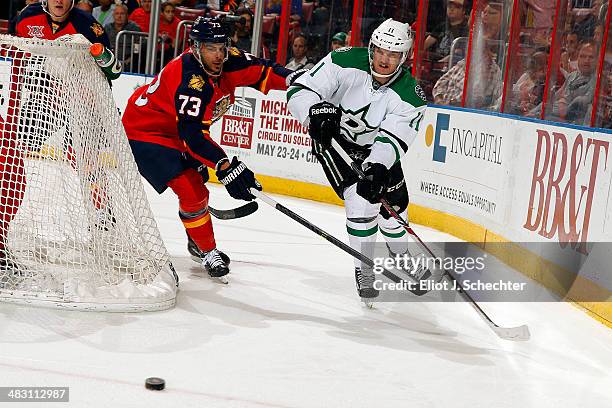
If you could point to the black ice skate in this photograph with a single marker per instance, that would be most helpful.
(365, 285)
(197, 255)
(214, 265)
(11, 271)
(105, 220)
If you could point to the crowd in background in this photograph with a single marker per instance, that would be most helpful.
(319, 26)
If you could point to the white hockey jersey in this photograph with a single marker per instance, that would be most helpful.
(385, 119)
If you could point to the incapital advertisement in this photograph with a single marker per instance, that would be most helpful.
(459, 164)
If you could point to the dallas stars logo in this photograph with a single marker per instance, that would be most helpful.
(36, 31)
(354, 123)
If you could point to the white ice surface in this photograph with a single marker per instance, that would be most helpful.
(289, 331)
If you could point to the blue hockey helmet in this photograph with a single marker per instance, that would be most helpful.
(209, 30)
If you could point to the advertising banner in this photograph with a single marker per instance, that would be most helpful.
(260, 130)
(562, 185)
(459, 165)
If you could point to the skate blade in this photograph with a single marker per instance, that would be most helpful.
(196, 259)
(221, 279)
(368, 303)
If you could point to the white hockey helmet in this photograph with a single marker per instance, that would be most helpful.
(391, 35)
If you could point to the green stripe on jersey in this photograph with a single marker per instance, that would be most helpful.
(292, 91)
(384, 139)
(352, 57)
(362, 233)
(396, 139)
(393, 234)
(408, 90)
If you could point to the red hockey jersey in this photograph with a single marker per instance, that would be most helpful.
(178, 107)
(33, 22)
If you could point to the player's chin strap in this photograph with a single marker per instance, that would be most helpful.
(45, 7)
(507, 333)
(197, 53)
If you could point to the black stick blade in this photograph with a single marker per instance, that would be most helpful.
(238, 212)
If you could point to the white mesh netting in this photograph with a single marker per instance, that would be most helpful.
(76, 230)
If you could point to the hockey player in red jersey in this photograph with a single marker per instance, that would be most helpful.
(49, 19)
(168, 124)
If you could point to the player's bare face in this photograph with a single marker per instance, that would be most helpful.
(59, 9)
(213, 56)
(385, 62)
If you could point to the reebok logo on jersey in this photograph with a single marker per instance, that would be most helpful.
(324, 109)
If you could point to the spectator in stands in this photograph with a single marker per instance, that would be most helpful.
(528, 90)
(104, 12)
(485, 88)
(585, 15)
(142, 15)
(575, 97)
(491, 20)
(530, 104)
(131, 4)
(244, 28)
(338, 40)
(300, 50)
(124, 49)
(536, 73)
(168, 23)
(85, 5)
(569, 55)
(455, 26)
(598, 34)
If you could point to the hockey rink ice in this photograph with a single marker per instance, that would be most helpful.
(289, 331)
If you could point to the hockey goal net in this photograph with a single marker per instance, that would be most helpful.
(76, 229)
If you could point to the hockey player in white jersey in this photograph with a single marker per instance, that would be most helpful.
(373, 107)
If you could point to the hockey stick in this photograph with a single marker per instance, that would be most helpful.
(508, 333)
(238, 212)
(276, 205)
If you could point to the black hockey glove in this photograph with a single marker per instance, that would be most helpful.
(324, 125)
(238, 179)
(195, 164)
(374, 186)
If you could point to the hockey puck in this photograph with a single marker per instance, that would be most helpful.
(155, 383)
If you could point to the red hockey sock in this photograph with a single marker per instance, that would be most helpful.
(12, 186)
(193, 208)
